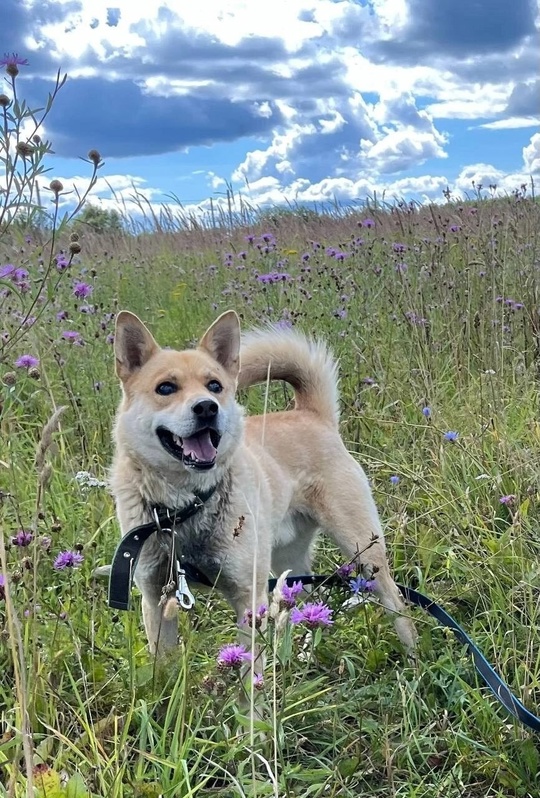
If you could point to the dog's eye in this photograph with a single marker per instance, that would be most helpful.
(166, 388)
(214, 386)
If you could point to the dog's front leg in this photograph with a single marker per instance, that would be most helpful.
(162, 632)
(152, 574)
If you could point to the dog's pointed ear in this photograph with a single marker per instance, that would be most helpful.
(133, 344)
(222, 341)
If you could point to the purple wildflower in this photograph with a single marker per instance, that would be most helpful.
(426, 412)
(345, 570)
(2, 587)
(454, 228)
(289, 593)
(273, 277)
(82, 290)
(510, 499)
(7, 270)
(394, 479)
(399, 247)
(451, 436)
(71, 335)
(233, 656)
(313, 615)
(368, 223)
(62, 262)
(283, 324)
(27, 362)
(258, 681)
(259, 615)
(67, 559)
(61, 315)
(361, 585)
(13, 60)
(22, 538)
(340, 313)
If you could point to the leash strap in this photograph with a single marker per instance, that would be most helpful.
(128, 550)
(491, 678)
(500, 690)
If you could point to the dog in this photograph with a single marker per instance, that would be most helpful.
(277, 478)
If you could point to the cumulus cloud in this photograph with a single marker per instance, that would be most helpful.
(332, 97)
(531, 155)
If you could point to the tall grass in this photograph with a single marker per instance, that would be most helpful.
(433, 313)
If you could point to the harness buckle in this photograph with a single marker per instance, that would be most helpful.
(184, 596)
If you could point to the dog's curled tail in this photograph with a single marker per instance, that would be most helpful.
(306, 364)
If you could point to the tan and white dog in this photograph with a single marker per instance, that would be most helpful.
(279, 477)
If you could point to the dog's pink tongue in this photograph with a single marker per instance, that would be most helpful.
(199, 447)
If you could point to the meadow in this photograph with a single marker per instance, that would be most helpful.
(434, 314)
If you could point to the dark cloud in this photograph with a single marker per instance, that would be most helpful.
(119, 120)
(524, 100)
(19, 22)
(460, 29)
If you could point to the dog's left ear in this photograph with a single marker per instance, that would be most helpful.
(222, 341)
(134, 345)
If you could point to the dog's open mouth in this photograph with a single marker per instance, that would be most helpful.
(199, 451)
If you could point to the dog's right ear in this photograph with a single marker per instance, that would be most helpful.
(133, 344)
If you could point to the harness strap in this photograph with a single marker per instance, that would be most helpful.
(128, 550)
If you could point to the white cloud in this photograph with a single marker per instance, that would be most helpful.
(531, 155)
(512, 123)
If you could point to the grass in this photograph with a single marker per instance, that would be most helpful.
(429, 308)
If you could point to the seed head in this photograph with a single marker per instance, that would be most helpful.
(36, 138)
(24, 149)
(74, 237)
(5, 102)
(74, 247)
(95, 157)
(56, 186)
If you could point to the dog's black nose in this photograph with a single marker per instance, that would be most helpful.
(206, 408)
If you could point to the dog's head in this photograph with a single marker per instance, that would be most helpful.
(179, 408)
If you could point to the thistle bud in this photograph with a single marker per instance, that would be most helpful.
(24, 149)
(74, 247)
(56, 186)
(34, 373)
(95, 157)
(5, 102)
(9, 378)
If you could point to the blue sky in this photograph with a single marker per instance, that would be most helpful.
(285, 101)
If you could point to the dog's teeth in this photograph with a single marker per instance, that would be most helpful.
(177, 440)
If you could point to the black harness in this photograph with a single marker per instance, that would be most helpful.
(164, 522)
(127, 553)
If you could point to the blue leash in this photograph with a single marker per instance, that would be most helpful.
(498, 687)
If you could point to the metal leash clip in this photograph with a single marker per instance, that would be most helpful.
(184, 596)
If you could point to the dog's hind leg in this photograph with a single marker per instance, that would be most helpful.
(346, 510)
